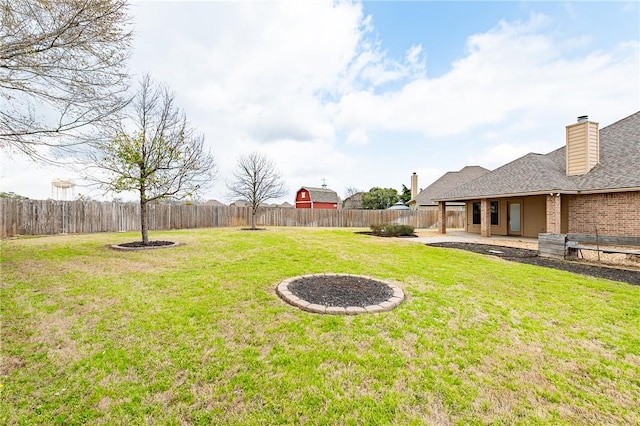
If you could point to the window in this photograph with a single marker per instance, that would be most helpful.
(475, 211)
(303, 195)
(494, 212)
(494, 208)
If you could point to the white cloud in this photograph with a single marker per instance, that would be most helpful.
(496, 155)
(512, 68)
(413, 54)
(286, 78)
(358, 138)
(256, 79)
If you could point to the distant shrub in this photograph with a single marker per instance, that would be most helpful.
(376, 229)
(391, 230)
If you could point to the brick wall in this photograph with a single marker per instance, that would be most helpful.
(442, 214)
(554, 217)
(612, 214)
(485, 221)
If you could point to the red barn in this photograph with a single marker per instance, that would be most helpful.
(316, 198)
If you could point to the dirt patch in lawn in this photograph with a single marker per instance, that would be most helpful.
(531, 257)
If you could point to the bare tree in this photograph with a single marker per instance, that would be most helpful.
(62, 70)
(156, 153)
(256, 181)
(349, 202)
(350, 190)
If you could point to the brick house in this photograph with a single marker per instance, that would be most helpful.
(590, 184)
(317, 198)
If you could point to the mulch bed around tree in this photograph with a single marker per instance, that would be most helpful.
(370, 233)
(340, 290)
(531, 257)
(138, 245)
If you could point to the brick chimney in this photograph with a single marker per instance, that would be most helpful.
(414, 186)
(583, 146)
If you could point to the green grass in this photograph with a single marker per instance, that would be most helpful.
(196, 335)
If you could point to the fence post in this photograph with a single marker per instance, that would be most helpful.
(64, 217)
(120, 217)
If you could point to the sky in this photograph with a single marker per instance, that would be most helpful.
(363, 94)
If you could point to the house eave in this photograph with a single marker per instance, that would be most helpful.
(435, 203)
(610, 190)
(547, 192)
(512, 195)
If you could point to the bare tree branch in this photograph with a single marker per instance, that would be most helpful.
(62, 71)
(350, 190)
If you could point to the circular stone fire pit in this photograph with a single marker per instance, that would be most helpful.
(340, 294)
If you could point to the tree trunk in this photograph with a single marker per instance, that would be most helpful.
(143, 222)
(253, 219)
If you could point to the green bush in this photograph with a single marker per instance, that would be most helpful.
(376, 229)
(392, 230)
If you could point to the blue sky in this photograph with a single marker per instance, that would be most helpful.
(364, 94)
(443, 27)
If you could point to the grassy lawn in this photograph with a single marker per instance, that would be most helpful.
(196, 335)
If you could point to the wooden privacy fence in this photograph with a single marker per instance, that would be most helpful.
(49, 217)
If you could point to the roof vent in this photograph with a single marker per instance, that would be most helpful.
(583, 118)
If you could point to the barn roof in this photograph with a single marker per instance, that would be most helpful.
(322, 195)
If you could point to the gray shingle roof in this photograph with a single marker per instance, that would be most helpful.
(354, 201)
(322, 195)
(619, 165)
(447, 182)
(618, 169)
(399, 206)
